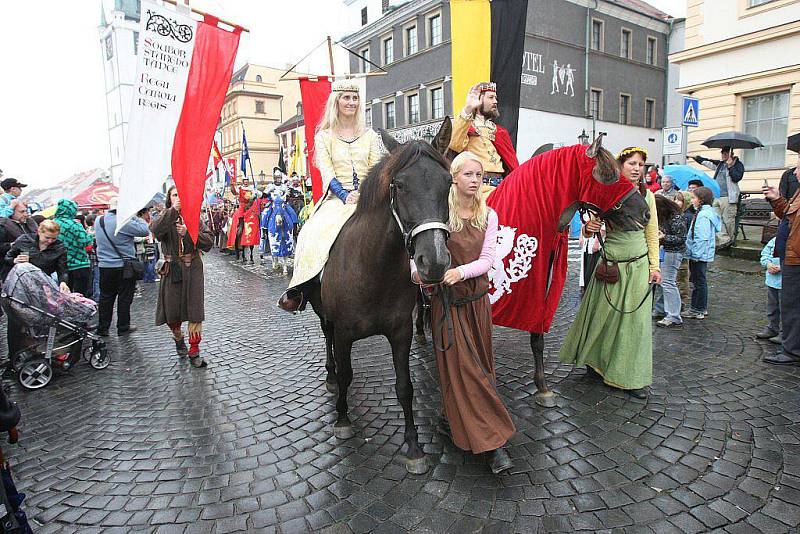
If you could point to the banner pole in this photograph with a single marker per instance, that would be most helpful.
(330, 56)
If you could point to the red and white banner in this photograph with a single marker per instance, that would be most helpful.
(183, 71)
(314, 95)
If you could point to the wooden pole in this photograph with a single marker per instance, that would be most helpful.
(330, 56)
(203, 13)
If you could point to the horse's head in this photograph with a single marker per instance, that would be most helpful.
(419, 182)
(614, 199)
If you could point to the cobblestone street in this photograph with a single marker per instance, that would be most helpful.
(150, 444)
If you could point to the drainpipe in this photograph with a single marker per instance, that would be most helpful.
(666, 83)
(586, 105)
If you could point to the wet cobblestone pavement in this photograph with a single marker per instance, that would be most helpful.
(150, 444)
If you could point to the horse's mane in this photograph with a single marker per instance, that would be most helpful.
(374, 192)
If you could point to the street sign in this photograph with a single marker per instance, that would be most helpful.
(673, 141)
(691, 111)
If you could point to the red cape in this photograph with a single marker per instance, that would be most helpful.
(531, 265)
(505, 148)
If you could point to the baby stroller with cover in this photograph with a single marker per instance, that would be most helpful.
(56, 324)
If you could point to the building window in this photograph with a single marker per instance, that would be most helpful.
(365, 60)
(364, 16)
(625, 44)
(651, 51)
(411, 40)
(435, 30)
(109, 47)
(259, 106)
(258, 78)
(596, 103)
(294, 138)
(368, 117)
(437, 103)
(624, 109)
(413, 109)
(766, 117)
(755, 3)
(136, 43)
(597, 34)
(388, 50)
(390, 118)
(649, 113)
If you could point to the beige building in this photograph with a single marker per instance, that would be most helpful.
(740, 60)
(257, 101)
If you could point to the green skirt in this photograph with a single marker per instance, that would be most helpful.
(616, 345)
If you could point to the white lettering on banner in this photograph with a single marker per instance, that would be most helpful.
(166, 41)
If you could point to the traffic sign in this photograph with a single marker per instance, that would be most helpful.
(691, 111)
(673, 141)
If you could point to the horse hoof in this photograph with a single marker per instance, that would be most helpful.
(546, 399)
(332, 387)
(417, 466)
(343, 432)
(421, 339)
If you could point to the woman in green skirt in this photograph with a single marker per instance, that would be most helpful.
(613, 334)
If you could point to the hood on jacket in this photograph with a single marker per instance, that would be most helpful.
(711, 215)
(67, 209)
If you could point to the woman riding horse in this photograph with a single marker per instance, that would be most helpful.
(345, 151)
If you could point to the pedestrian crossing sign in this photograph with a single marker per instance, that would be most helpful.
(691, 111)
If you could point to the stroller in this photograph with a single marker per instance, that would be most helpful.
(57, 325)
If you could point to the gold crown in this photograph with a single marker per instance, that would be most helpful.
(487, 86)
(345, 85)
(631, 150)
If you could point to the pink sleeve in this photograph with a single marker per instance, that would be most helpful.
(484, 262)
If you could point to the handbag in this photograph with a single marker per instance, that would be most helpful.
(132, 269)
(606, 271)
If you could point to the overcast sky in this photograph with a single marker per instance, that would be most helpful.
(51, 78)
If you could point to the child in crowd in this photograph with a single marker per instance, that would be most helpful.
(773, 280)
(700, 247)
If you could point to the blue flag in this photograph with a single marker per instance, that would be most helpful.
(245, 153)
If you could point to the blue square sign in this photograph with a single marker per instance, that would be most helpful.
(691, 111)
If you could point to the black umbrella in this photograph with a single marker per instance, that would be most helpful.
(733, 140)
(793, 143)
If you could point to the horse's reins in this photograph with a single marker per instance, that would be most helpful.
(447, 303)
(651, 285)
(586, 209)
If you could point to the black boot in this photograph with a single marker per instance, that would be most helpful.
(499, 461)
(180, 347)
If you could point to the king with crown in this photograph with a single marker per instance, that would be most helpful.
(474, 130)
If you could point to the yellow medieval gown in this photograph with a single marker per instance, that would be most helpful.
(335, 159)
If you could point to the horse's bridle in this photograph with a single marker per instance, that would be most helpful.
(422, 226)
(587, 207)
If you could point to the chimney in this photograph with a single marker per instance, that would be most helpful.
(384, 6)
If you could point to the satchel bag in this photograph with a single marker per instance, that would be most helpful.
(607, 271)
(132, 269)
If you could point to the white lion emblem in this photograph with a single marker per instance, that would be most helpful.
(524, 248)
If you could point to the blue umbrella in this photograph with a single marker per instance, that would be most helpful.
(681, 174)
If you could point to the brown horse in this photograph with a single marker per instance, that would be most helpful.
(366, 288)
(535, 204)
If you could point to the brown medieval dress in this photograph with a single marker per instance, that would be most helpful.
(479, 421)
(181, 290)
